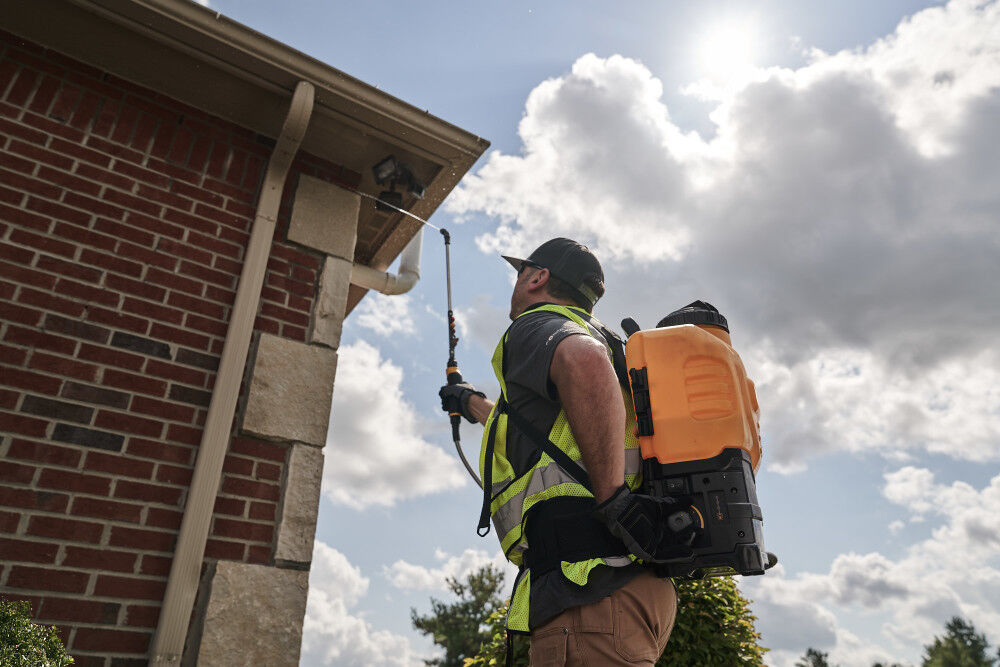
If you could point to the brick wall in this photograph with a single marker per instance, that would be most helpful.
(124, 217)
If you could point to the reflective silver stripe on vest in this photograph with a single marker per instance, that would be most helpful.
(508, 516)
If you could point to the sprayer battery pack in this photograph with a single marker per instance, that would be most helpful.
(724, 491)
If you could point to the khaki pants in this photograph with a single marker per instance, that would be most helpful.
(629, 627)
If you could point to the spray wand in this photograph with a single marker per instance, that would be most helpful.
(452, 372)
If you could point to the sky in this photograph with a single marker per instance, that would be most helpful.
(824, 173)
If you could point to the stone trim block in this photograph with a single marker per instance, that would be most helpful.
(254, 616)
(301, 504)
(331, 304)
(325, 217)
(291, 391)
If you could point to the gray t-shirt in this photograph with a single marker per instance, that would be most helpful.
(531, 344)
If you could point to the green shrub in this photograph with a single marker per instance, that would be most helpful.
(25, 644)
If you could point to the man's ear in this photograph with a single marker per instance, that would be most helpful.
(540, 279)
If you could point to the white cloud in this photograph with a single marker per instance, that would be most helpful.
(482, 322)
(386, 315)
(405, 575)
(331, 634)
(956, 571)
(842, 216)
(375, 454)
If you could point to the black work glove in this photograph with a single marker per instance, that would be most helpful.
(455, 398)
(654, 529)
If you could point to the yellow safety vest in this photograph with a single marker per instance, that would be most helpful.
(511, 496)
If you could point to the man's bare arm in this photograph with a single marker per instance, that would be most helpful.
(592, 398)
(480, 408)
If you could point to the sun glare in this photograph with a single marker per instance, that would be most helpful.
(728, 50)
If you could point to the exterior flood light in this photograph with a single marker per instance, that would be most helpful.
(392, 171)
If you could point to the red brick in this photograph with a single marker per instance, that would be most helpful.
(14, 129)
(41, 579)
(243, 530)
(20, 274)
(155, 565)
(263, 511)
(223, 296)
(209, 326)
(8, 399)
(111, 262)
(230, 506)
(23, 85)
(62, 366)
(65, 480)
(267, 326)
(81, 611)
(65, 529)
(23, 218)
(92, 639)
(87, 293)
(129, 587)
(118, 421)
(174, 475)
(162, 409)
(184, 434)
(184, 250)
(26, 450)
(34, 338)
(228, 190)
(71, 269)
(298, 303)
(180, 336)
(33, 297)
(159, 450)
(215, 245)
(258, 449)
(99, 559)
(243, 487)
(141, 174)
(158, 517)
(115, 150)
(146, 540)
(28, 499)
(293, 333)
(118, 465)
(81, 153)
(174, 171)
(237, 465)
(132, 202)
(86, 112)
(295, 256)
(43, 243)
(224, 550)
(44, 94)
(137, 288)
(192, 222)
(17, 423)
(103, 355)
(131, 382)
(13, 377)
(16, 473)
(29, 185)
(27, 552)
(144, 130)
(175, 372)
(9, 522)
(140, 616)
(39, 154)
(105, 509)
(278, 266)
(93, 173)
(60, 212)
(117, 320)
(17, 254)
(174, 281)
(147, 256)
(155, 225)
(15, 313)
(201, 194)
(68, 180)
(149, 492)
(84, 236)
(284, 314)
(258, 554)
(241, 209)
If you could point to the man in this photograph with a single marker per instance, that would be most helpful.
(561, 458)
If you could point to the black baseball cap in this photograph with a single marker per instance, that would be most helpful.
(572, 263)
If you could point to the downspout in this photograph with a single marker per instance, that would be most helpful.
(387, 283)
(182, 585)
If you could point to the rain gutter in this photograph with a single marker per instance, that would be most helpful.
(185, 571)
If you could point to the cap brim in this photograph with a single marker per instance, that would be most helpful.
(515, 262)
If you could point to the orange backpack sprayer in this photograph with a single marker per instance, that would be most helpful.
(699, 435)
